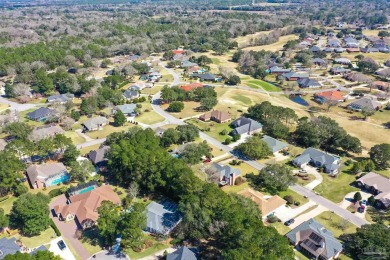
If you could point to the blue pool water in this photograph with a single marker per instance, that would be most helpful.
(87, 189)
(62, 179)
(176, 155)
(299, 100)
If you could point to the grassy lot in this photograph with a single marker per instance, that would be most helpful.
(149, 118)
(235, 188)
(157, 246)
(199, 170)
(280, 227)
(152, 91)
(245, 168)
(335, 223)
(188, 111)
(31, 242)
(3, 107)
(277, 46)
(107, 130)
(335, 188)
(7, 204)
(303, 182)
(215, 128)
(295, 195)
(216, 151)
(76, 139)
(87, 149)
(255, 83)
(300, 256)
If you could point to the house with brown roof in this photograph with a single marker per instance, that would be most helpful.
(329, 96)
(377, 185)
(267, 203)
(191, 86)
(45, 175)
(83, 207)
(216, 116)
(381, 85)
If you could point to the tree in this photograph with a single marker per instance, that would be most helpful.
(275, 128)
(192, 153)
(30, 214)
(169, 137)
(383, 34)
(70, 155)
(119, 118)
(3, 219)
(208, 103)
(176, 106)
(105, 63)
(108, 222)
(131, 226)
(357, 197)
(369, 242)
(366, 112)
(75, 115)
(233, 80)
(39, 255)
(81, 170)
(380, 155)
(11, 168)
(273, 178)
(188, 133)
(254, 148)
(19, 130)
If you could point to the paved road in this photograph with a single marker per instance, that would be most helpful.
(330, 205)
(16, 106)
(89, 143)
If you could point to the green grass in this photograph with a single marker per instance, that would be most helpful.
(295, 195)
(280, 227)
(215, 128)
(76, 139)
(255, 83)
(44, 238)
(300, 256)
(23, 115)
(107, 130)
(87, 149)
(335, 188)
(334, 222)
(243, 99)
(216, 61)
(157, 246)
(7, 204)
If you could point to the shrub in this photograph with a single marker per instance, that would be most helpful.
(223, 132)
(56, 192)
(297, 203)
(239, 180)
(371, 200)
(148, 243)
(272, 219)
(228, 140)
(289, 199)
(54, 227)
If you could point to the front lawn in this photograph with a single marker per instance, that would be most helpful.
(156, 247)
(6, 205)
(335, 223)
(107, 130)
(76, 139)
(214, 129)
(297, 197)
(335, 188)
(31, 242)
(280, 227)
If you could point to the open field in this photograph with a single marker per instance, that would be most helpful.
(244, 41)
(188, 111)
(107, 130)
(335, 223)
(148, 116)
(277, 46)
(377, 56)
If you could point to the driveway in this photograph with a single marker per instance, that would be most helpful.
(105, 255)
(285, 213)
(68, 230)
(348, 199)
(305, 217)
(313, 171)
(64, 254)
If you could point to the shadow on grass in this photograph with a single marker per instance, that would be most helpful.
(92, 236)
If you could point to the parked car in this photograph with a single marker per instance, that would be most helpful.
(289, 222)
(61, 244)
(361, 209)
(286, 153)
(207, 161)
(363, 202)
(302, 171)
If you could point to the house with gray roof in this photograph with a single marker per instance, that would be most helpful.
(294, 76)
(274, 144)
(205, 77)
(308, 83)
(131, 94)
(315, 240)
(188, 64)
(365, 103)
(334, 43)
(45, 175)
(183, 253)
(318, 61)
(46, 131)
(98, 156)
(95, 123)
(127, 109)
(61, 98)
(8, 247)
(377, 185)
(315, 49)
(245, 126)
(344, 61)
(278, 70)
(162, 218)
(41, 114)
(227, 175)
(339, 70)
(317, 158)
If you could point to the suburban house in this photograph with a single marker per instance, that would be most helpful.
(318, 158)
(81, 188)
(192, 86)
(369, 50)
(275, 70)
(334, 43)
(126, 109)
(183, 253)
(8, 247)
(364, 103)
(205, 77)
(381, 85)
(329, 49)
(294, 76)
(339, 70)
(377, 185)
(245, 126)
(131, 94)
(134, 57)
(46, 131)
(315, 240)
(308, 83)
(162, 218)
(187, 64)
(61, 98)
(329, 96)
(83, 207)
(159, 131)
(267, 203)
(343, 61)
(318, 61)
(227, 175)
(349, 50)
(41, 114)
(315, 49)
(45, 175)
(3, 144)
(95, 123)
(216, 116)
(98, 157)
(274, 144)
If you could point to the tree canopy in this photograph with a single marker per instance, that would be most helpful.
(254, 148)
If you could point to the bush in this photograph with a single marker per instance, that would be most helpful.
(20, 189)
(297, 203)
(371, 200)
(239, 180)
(176, 106)
(272, 219)
(228, 140)
(236, 137)
(223, 132)
(56, 192)
(54, 227)
(289, 199)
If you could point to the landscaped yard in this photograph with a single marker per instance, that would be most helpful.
(6, 205)
(76, 139)
(255, 83)
(188, 111)
(335, 223)
(335, 188)
(280, 227)
(156, 246)
(215, 128)
(23, 116)
(297, 197)
(32, 242)
(87, 149)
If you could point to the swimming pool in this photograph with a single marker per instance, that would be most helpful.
(87, 189)
(61, 179)
(298, 99)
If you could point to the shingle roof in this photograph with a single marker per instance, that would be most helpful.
(225, 170)
(322, 235)
(46, 131)
(377, 181)
(95, 122)
(279, 69)
(130, 93)
(44, 171)
(274, 144)
(365, 103)
(307, 83)
(162, 218)
(97, 156)
(60, 98)
(342, 60)
(183, 253)
(41, 113)
(245, 125)
(267, 204)
(331, 95)
(216, 115)
(127, 108)
(326, 160)
(8, 247)
(293, 74)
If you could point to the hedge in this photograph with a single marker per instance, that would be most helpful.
(54, 227)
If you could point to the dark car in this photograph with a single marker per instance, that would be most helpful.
(61, 244)
(289, 222)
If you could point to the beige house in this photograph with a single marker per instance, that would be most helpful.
(267, 203)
